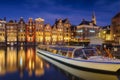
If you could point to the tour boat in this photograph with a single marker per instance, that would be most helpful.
(82, 58)
(77, 73)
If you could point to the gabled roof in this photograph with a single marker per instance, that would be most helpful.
(106, 27)
(54, 26)
(21, 20)
(65, 21)
(84, 22)
(11, 21)
(117, 15)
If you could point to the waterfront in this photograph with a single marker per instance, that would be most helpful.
(23, 63)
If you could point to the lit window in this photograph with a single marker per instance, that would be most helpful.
(92, 31)
(79, 31)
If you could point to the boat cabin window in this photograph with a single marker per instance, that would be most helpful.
(63, 53)
(78, 53)
(69, 54)
(90, 52)
(54, 51)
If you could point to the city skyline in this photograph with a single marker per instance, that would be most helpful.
(74, 10)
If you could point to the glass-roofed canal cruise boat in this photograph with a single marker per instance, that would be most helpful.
(87, 59)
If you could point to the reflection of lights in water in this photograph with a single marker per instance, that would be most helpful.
(33, 65)
(21, 58)
(2, 62)
(21, 74)
(30, 60)
(0, 69)
(11, 59)
(30, 63)
(47, 65)
(21, 63)
(30, 73)
(39, 66)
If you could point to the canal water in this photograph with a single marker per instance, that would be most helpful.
(24, 63)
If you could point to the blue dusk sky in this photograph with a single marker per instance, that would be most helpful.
(74, 10)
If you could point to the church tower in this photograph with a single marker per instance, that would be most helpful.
(93, 18)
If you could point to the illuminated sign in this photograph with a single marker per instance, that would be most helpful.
(92, 31)
(79, 31)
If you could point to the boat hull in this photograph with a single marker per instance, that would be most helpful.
(109, 68)
(76, 73)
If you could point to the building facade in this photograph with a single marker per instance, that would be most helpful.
(39, 23)
(115, 28)
(47, 34)
(54, 34)
(11, 33)
(67, 30)
(35, 32)
(104, 33)
(2, 32)
(87, 29)
(21, 32)
(60, 33)
(30, 32)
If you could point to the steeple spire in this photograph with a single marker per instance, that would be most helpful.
(93, 18)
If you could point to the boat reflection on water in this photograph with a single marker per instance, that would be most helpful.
(13, 60)
(76, 74)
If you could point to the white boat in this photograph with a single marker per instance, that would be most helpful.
(76, 73)
(84, 59)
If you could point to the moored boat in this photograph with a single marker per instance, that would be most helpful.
(82, 58)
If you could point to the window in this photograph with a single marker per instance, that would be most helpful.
(78, 53)
(92, 31)
(90, 52)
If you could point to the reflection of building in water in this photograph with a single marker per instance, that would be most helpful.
(39, 66)
(30, 60)
(21, 58)
(2, 62)
(11, 59)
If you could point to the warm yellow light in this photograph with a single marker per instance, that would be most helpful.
(108, 37)
(104, 32)
(114, 35)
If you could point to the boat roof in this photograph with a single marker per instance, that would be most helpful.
(88, 48)
(63, 48)
(68, 48)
